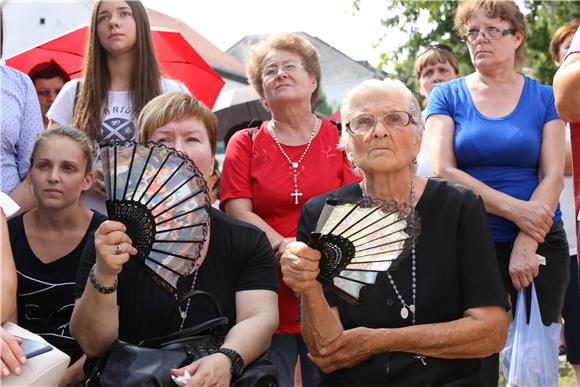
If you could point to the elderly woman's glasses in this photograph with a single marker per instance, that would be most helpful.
(435, 46)
(271, 71)
(491, 33)
(391, 120)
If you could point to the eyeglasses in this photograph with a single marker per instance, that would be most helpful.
(289, 68)
(491, 33)
(366, 123)
(436, 46)
(45, 92)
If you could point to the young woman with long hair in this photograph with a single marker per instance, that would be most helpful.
(121, 75)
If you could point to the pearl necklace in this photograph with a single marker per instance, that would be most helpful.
(405, 308)
(294, 164)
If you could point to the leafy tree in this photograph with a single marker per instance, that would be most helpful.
(543, 19)
(322, 106)
(428, 21)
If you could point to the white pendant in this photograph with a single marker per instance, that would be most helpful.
(183, 314)
(412, 307)
(295, 165)
(404, 313)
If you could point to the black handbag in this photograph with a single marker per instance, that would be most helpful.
(150, 362)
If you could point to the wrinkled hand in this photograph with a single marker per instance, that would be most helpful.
(99, 182)
(534, 218)
(300, 267)
(73, 374)
(349, 349)
(524, 265)
(280, 246)
(108, 263)
(12, 355)
(209, 371)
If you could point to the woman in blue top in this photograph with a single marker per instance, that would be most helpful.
(498, 132)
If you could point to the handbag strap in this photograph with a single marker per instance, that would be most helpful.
(200, 293)
(215, 327)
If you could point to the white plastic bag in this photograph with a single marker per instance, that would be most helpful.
(530, 357)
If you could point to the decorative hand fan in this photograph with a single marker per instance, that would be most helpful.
(358, 240)
(161, 197)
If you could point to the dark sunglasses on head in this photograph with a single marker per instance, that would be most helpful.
(436, 46)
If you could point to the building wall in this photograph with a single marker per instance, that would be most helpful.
(29, 23)
(340, 73)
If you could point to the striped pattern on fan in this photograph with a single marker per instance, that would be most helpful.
(162, 199)
(358, 240)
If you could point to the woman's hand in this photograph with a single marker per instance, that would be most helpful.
(11, 353)
(533, 218)
(524, 265)
(209, 371)
(74, 374)
(300, 267)
(108, 263)
(280, 246)
(99, 182)
(349, 349)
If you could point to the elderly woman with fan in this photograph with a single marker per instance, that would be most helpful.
(122, 299)
(441, 307)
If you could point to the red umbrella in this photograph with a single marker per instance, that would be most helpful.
(177, 58)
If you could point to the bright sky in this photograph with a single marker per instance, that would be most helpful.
(224, 22)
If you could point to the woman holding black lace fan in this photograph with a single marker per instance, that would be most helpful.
(118, 297)
(427, 322)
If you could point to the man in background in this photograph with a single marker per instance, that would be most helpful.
(48, 79)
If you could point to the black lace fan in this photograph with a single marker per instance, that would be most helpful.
(161, 197)
(358, 240)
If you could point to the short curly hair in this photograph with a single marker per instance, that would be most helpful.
(287, 42)
(506, 10)
(560, 35)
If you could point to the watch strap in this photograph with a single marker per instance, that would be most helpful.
(237, 361)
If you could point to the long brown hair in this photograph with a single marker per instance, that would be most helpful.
(145, 80)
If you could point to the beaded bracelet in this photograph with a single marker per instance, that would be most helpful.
(100, 288)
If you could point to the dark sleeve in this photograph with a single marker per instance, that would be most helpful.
(259, 270)
(306, 224)
(478, 268)
(88, 259)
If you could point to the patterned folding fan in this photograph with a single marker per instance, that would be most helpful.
(161, 197)
(358, 240)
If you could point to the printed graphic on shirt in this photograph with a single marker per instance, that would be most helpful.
(118, 129)
(43, 305)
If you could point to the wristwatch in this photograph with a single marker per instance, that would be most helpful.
(237, 361)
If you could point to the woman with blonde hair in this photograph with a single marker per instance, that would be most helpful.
(237, 268)
(270, 171)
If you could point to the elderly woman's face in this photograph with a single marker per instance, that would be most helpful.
(494, 44)
(284, 78)
(391, 146)
(190, 137)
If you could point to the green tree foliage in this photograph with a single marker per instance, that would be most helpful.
(322, 106)
(430, 21)
(543, 19)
